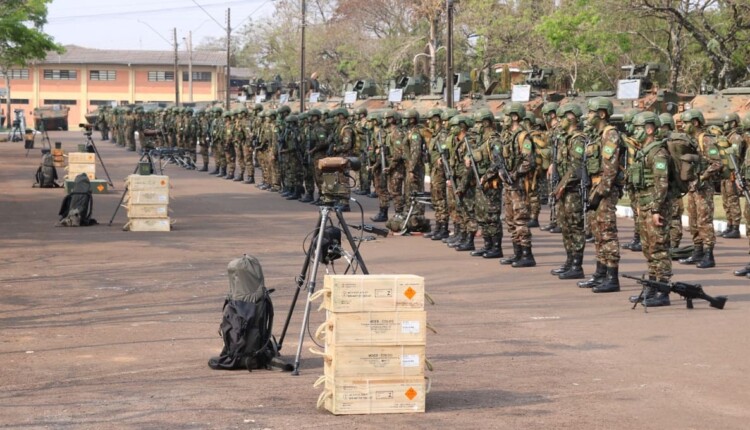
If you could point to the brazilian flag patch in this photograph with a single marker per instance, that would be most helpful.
(527, 146)
(579, 150)
(608, 150)
(713, 151)
(415, 136)
(398, 142)
(660, 165)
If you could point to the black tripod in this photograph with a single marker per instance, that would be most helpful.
(90, 144)
(315, 256)
(150, 161)
(46, 144)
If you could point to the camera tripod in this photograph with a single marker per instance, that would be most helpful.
(46, 144)
(315, 256)
(90, 143)
(147, 156)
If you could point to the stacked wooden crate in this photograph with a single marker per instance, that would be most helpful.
(147, 203)
(375, 338)
(81, 162)
(58, 157)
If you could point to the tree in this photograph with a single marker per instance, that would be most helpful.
(22, 38)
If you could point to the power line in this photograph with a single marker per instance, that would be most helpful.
(54, 20)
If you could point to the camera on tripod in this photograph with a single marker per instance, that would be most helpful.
(87, 128)
(335, 180)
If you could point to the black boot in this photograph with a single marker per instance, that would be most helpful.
(611, 283)
(595, 279)
(555, 229)
(565, 266)
(527, 258)
(658, 299)
(204, 168)
(307, 198)
(708, 259)
(695, 258)
(743, 272)
(468, 244)
(456, 229)
(222, 173)
(487, 246)
(534, 222)
(734, 233)
(726, 230)
(457, 239)
(250, 180)
(382, 216)
(285, 192)
(548, 227)
(646, 293)
(229, 176)
(635, 244)
(515, 257)
(295, 195)
(239, 178)
(576, 270)
(589, 238)
(497, 250)
(216, 171)
(429, 234)
(442, 231)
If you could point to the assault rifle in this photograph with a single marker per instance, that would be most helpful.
(281, 144)
(554, 180)
(448, 172)
(498, 164)
(366, 151)
(739, 179)
(470, 152)
(585, 186)
(684, 289)
(383, 166)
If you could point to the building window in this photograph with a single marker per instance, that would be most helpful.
(160, 76)
(198, 76)
(100, 102)
(60, 75)
(16, 74)
(60, 102)
(102, 75)
(16, 101)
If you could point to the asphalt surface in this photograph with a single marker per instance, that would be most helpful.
(101, 328)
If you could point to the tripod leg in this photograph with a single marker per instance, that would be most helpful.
(352, 243)
(311, 283)
(96, 150)
(118, 207)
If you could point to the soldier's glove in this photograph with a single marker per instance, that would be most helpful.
(594, 201)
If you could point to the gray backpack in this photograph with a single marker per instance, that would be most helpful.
(46, 174)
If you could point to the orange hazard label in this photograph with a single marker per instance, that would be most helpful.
(163, 182)
(411, 393)
(409, 293)
(100, 188)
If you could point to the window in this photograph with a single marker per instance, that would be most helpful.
(16, 74)
(160, 76)
(102, 75)
(60, 102)
(60, 75)
(100, 102)
(198, 76)
(16, 101)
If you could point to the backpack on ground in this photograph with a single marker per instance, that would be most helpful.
(247, 321)
(46, 174)
(77, 207)
(685, 163)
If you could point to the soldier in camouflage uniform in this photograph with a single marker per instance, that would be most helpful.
(251, 126)
(318, 145)
(554, 136)
(291, 154)
(466, 180)
(730, 194)
(632, 146)
(240, 138)
(217, 142)
(203, 132)
(230, 142)
(535, 177)
(130, 129)
(101, 122)
(282, 160)
(487, 147)
(649, 177)
(378, 153)
(343, 139)
(571, 146)
(437, 175)
(308, 172)
(603, 163)
(121, 139)
(701, 191)
(266, 146)
(414, 164)
(743, 159)
(666, 128)
(453, 203)
(361, 128)
(396, 151)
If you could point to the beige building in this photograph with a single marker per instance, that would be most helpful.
(83, 79)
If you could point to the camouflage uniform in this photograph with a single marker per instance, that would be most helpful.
(378, 153)
(344, 138)
(292, 154)
(217, 143)
(318, 136)
(490, 202)
(130, 130)
(437, 180)
(101, 122)
(230, 143)
(730, 194)
(308, 171)
(361, 150)
(675, 222)
(395, 141)
(414, 163)
(241, 143)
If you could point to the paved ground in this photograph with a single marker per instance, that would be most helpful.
(101, 328)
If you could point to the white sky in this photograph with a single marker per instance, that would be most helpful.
(117, 24)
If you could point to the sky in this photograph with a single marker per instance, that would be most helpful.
(144, 24)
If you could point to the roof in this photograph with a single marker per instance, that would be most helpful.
(79, 55)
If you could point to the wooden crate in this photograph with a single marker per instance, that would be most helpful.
(81, 158)
(376, 395)
(148, 224)
(361, 293)
(383, 361)
(374, 328)
(76, 169)
(147, 182)
(152, 197)
(147, 211)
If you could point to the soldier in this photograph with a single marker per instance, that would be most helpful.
(308, 172)
(343, 140)
(101, 122)
(554, 135)
(435, 150)
(318, 145)
(140, 119)
(203, 131)
(229, 138)
(650, 171)
(396, 151)
(466, 181)
(700, 194)
(279, 163)
(743, 159)
(730, 194)
(268, 145)
(414, 163)
(217, 142)
(240, 139)
(130, 129)
(121, 139)
(378, 154)
(632, 146)
(453, 204)
(486, 148)
(251, 127)
(360, 127)
(535, 177)
(571, 146)
(291, 153)
(603, 164)
(666, 128)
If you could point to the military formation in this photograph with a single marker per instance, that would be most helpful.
(489, 173)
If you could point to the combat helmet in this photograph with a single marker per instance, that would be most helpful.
(550, 107)
(647, 117)
(691, 114)
(666, 119)
(601, 103)
(448, 114)
(314, 112)
(573, 108)
(258, 107)
(360, 111)
(411, 113)
(516, 108)
(284, 110)
(732, 116)
(292, 119)
(434, 112)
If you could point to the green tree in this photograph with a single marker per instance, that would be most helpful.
(22, 38)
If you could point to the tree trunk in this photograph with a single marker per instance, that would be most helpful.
(432, 46)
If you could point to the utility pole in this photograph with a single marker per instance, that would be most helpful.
(229, 36)
(449, 62)
(190, 65)
(176, 77)
(302, 61)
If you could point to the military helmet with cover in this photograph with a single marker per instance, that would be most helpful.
(434, 112)
(689, 115)
(647, 117)
(550, 107)
(601, 103)
(360, 111)
(411, 113)
(284, 110)
(573, 108)
(484, 114)
(732, 116)
(516, 108)
(315, 112)
(258, 107)
(448, 114)
(666, 119)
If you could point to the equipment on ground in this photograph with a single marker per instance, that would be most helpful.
(46, 174)
(77, 207)
(684, 289)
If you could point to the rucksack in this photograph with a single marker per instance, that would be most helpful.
(46, 174)
(77, 207)
(247, 321)
(720, 147)
(685, 163)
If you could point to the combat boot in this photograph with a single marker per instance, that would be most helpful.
(595, 279)
(589, 238)
(646, 293)
(496, 251)
(527, 258)
(373, 195)
(635, 243)
(215, 171)
(534, 222)
(441, 233)
(229, 176)
(565, 266)
(515, 257)
(457, 239)
(658, 299)
(222, 172)
(295, 195)
(611, 283)
(249, 180)
(726, 230)
(204, 168)
(285, 192)
(548, 227)
(734, 233)
(708, 259)
(239, 178)
(629, 244)
(468, 244)
(576, 269)
(456, 229)
(382, 216)
(487, 246)
(695, 257)
(429, 234)
(744, 271)
(555, 229)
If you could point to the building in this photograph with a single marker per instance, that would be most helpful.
(84, 79)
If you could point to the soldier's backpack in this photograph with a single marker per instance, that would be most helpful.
(685, 163)
(720, 144)
(403, 224)
(46, 174)
(247, 321)
(77, 207)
